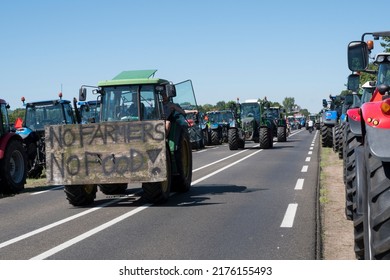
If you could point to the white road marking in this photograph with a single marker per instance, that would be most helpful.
(289, 216)
(52, 189)
(308, 159)
(310, 153)
(87, 234)
(42, 229)
(299, 184)
(304, 168)
(311, 148)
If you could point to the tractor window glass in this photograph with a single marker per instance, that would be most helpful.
(120, 103)
(148, 103)
(384, 74)
(4, 118)
(69, 117)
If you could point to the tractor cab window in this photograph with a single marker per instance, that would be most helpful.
(384, 74)
(250, 110)
(4, 119)
(129, 103)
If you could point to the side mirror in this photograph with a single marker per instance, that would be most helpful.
(353, 82)
(82, 94)
(324, 103)
(171, 90)
(358, 56)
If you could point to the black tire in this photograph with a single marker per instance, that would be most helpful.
(158, 192)
(181, 181)
(215, 140)
(265, 137)
(80, 195)
(13, 168)
(109, 189)
(341, 140)
(377, 227)
(359, 187)
(282, 134)
(326, 136)
(233, 138)
(351, 143)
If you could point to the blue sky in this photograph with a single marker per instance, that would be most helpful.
(229, 49)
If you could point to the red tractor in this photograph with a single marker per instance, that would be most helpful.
(371, 198)
(13, 159)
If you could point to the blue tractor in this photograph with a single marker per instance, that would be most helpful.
(330, 118)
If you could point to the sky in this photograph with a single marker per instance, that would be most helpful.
(229, 49)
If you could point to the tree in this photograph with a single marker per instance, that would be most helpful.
(289, 104)
(221, 105)
(17, 113)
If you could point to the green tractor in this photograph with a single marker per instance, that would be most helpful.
(141, 137)
(250, 124)
(276, 116)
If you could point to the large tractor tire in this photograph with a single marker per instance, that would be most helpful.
(110, 189)
(326, 136)
(13, 168)
(341, 140)
(349, 168)
(215, 140)
(282, 134)
(377, 221)
(233, 139)
(181, 181)
(266, 140)
(359, 201)
(158, 192)
(81, 195)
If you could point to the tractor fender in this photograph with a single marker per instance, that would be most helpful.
(354, 120)
(5, 140)
(377, 139)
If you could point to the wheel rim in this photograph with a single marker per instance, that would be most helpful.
(16, 166)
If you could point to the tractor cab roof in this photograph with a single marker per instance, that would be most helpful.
(135, 77)
(47, 102)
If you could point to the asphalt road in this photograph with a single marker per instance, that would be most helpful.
(248, 204)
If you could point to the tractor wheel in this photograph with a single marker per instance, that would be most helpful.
(215, 138)
(13, 168)
(341, 140)
(233, 139)
(181, 182)
(265, 138)
(351, 143)
(80, 195)
(327, 136)
(359, 187)
(377, 221)
(113, 188)
(281, 134)
(158, 192)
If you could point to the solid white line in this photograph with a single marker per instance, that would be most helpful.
(120, 218)
(304, 168)
(299, 184)
(52, 189)
(308, 159)
(222, 159)
(289, 216)
(87, 234)
(226, 167)
(42, 229)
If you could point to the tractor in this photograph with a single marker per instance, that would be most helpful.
(87, 111)
(142, 137)
(38, 115)
(330, 118)
(218, 123)
(13, 158)
(276, 116)
(371, 200)
(250, 124)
